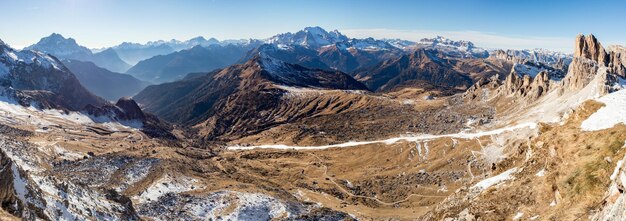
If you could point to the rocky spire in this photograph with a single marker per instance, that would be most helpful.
(591, 61)
(589, 47)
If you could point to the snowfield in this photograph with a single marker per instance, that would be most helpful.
(613, 113)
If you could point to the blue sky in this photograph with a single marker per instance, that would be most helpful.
(491, 24)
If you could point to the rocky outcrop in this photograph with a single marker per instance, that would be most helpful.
(592, 67)
(588, 47)
(130, 108)
(591, 61)
(526, 86)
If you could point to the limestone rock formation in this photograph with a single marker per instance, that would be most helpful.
(588, 47)
(591, 60)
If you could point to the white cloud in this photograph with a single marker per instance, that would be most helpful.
(481, 39)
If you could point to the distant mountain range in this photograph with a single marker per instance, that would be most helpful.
(67, 48)
(104, 83)
(382, 65)
(174, 66)
(133, 53)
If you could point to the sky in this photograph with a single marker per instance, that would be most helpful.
(515, 24)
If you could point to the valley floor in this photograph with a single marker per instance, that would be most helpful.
(526, 171)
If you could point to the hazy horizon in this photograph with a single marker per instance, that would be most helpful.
(489, 24)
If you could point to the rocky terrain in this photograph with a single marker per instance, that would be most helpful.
(314, 125)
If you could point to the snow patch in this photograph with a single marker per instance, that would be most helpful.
(541, 173)
(613, 113)
(166, 184)
(491, 181)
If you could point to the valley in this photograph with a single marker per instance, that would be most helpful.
(312, 125)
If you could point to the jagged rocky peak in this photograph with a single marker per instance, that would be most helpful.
(56, 39)
(589, 47)
(591, 61)
(60, 46)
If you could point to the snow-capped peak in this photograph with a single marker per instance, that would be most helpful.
(310, 37)
(316, 31)
(443, 41)
(453, 48)
(59, 46)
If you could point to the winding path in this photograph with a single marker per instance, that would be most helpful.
(461, 135)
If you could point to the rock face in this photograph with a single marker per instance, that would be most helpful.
(526, 86)
(591, 61)
(130, 108)
(588, 47)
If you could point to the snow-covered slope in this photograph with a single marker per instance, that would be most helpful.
(454, 48)
(367, 44)
(310, 37)
(11, 58)
(614, 112)
(400, 43)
